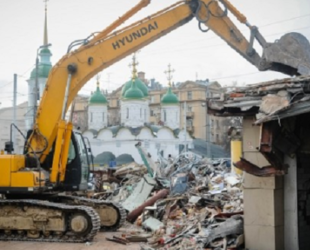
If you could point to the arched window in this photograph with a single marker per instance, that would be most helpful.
(127, 115)
(140, 112)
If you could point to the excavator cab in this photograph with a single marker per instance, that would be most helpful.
(78, 166)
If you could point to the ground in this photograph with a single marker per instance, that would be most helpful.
(99, 242)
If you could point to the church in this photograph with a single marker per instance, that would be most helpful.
(117, 142)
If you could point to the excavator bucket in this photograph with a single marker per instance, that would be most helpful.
(290, 55)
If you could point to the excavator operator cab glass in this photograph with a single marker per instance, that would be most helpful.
(83, 153)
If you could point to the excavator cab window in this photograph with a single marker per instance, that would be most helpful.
(83, 153)
(71, 153)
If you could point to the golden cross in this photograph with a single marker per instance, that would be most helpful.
(169, 74)
(134, 67)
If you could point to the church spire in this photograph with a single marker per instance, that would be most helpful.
(45, 39)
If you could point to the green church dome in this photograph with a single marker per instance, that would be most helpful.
(43, 71)
(169, 98)
(98, 98)
(140, 85)
(133, 92)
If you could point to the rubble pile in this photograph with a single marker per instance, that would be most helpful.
(186, 203)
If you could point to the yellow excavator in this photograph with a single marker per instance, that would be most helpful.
(55, 158)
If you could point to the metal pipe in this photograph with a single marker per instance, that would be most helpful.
(134, 214)
(63, 114)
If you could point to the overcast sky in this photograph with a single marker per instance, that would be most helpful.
(191, 53)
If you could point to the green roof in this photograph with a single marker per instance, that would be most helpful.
(133, 92)
(141, 85)
(98, 97)
(169, 98)
(43, 71)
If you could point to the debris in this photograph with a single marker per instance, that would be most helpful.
(139, 194)
(152, 224)
(179, 184)
(133, 215)
(191, 202)
(117, 240)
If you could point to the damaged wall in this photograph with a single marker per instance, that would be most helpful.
(263, 198)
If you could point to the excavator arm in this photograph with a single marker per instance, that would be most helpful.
(70, 74)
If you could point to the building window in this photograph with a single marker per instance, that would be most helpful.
(189, 95)
(217, 124)
(152, 112)
(127, 115)
(152, 99)
(91, 117)
(144, 114)
(103, 116)
(117, 103)
(165, 116)
(189, 108)
(140, 112)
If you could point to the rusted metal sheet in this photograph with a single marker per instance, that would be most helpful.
(252, 169)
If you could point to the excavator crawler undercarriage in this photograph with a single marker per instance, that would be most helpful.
(35, 220)
(112, 215)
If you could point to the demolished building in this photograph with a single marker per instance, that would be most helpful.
(276, 152)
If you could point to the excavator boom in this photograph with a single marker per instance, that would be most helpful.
(108, 47)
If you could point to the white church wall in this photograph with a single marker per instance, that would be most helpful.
(165, 134)
(123, 146)
(125, 134)
(89, 134)
(96, 146)
(97, 116)
(170, 115)
(145, 134)
(105, 134)
(133, 114)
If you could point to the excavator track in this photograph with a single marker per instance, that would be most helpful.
(112, 215)
(44, 221)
